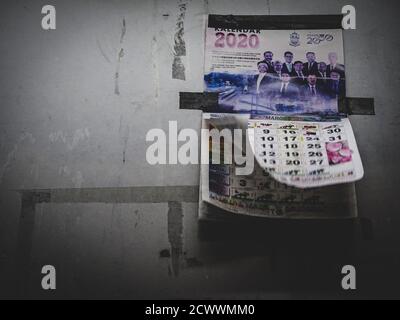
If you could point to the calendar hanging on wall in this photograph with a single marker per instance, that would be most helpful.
(285, 85)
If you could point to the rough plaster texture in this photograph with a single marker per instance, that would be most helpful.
(76, 104)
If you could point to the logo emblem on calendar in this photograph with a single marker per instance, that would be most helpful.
(294, 39)
(318, 38)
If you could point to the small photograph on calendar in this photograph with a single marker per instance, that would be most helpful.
(338, 152)
(275, 72)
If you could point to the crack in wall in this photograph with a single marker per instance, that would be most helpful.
(102, 51)
(125, 138)
(120, 56)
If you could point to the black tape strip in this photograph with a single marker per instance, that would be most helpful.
(357, 106)
(208, 102)
(360, 106)
(205, 101)
(284, 22)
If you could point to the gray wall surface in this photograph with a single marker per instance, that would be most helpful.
(67, 121)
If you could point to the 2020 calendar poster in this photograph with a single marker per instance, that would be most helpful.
(287, 84)
(285, 72)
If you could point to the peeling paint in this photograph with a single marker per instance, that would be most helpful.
(178, 67)
(156, 74)
(154, 54)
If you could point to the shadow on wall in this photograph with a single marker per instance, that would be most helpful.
(272, 256)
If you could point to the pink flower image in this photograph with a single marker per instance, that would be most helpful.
(338, 152)
(334, 147)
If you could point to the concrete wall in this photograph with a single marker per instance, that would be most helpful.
(67, 121)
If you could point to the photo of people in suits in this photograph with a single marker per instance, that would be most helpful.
(311, 81)
(298, 79)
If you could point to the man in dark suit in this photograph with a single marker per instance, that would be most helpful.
(288, 66)
(299, 78)
(277, 74)
(336, 86)
(312, 89)
(258, 84)
(311, 66)
(268, 56)
(284, 89)
(335, 66)
(322, 74)
(322, 67)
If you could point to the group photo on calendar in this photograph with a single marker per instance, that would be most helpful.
(287, 72)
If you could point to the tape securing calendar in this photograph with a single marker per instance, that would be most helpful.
(208, 102)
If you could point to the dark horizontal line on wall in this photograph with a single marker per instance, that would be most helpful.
(161, 194)
(272, 22)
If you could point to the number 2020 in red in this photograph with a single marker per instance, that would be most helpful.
(236, 41)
